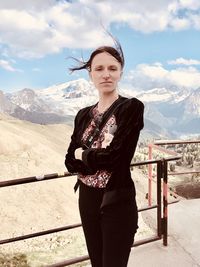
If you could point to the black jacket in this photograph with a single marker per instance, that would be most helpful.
(117, 156)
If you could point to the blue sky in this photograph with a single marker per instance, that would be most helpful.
(160, 39)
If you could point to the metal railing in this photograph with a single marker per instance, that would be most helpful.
(157, 145)
(161, 206)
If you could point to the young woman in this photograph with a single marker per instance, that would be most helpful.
(107, 202)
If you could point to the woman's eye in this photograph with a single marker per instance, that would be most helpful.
(113, 69)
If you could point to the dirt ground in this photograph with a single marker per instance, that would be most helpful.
(188, 190)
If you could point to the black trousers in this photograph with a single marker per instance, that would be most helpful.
(109, 231)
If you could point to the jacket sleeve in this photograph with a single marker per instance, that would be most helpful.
(127, 134)
(72, 164)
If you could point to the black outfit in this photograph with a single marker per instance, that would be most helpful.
(109, 215)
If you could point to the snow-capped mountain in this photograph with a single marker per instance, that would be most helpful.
(29, 100)
(26, 105)
(167, 110)
(68, 98)
(156, 95)
(192, 103)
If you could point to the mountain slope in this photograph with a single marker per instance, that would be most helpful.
(29, 149)
(32, 145)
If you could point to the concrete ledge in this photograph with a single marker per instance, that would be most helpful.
(183, 242)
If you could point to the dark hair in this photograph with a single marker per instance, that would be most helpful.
(116, 52)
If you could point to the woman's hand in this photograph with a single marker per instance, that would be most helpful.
(78, 153)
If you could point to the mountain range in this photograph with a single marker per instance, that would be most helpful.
(169, 112)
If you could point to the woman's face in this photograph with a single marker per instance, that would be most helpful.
(105, 72)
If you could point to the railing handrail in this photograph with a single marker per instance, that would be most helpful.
(176, 142)
(45, 177)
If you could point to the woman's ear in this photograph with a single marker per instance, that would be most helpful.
(121, 74)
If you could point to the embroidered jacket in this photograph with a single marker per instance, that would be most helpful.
(116, 157)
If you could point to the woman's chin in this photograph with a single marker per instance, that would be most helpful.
(106, 90)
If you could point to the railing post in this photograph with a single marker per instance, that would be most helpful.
(159, 202)
(150, 176)
(165, 203)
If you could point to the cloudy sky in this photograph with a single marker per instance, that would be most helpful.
(160, 39)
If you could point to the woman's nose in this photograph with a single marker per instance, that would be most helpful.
(106, 74)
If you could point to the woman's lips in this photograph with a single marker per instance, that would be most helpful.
(106, 82)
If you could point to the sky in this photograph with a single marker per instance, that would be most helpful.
(160, 40)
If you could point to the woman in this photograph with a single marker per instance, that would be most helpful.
(107, 202)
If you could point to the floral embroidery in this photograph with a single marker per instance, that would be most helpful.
(101, 177)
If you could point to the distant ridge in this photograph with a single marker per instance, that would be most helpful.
(171, 112)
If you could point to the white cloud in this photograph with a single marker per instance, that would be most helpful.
(21, 20)
(7, 66)
(186, 77)
(191, 4)
(183, 61)
(35, 28)
(196, 21)
(154, 76)
(180, 24)
(32, 33)
(24, 4)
